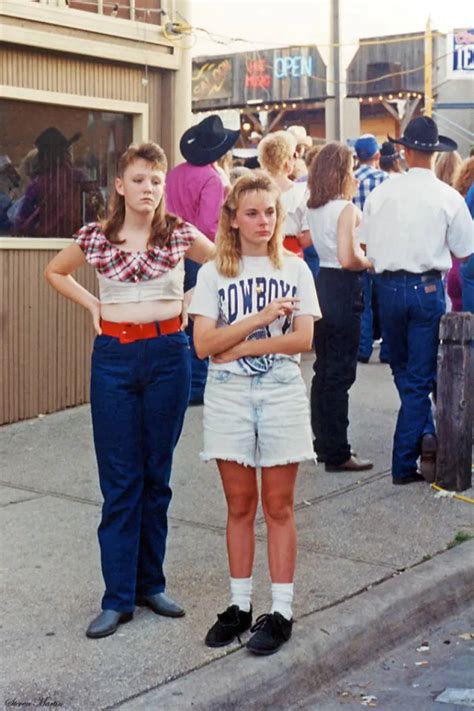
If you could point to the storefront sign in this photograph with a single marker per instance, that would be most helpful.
(282, 74)
(212, 79)
(297, 66)
(463, 50)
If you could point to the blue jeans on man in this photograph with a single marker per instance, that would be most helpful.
(139, 395)
(411, 308)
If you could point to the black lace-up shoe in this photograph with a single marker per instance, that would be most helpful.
(271, 631)
(230, 624)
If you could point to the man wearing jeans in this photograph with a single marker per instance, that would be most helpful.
(410, 226)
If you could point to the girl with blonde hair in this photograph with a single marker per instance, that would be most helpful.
(277, 155)
(254, 308)
(140, 377)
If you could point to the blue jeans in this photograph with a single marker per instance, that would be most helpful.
(467, 281)
(366, 319)
(199, 367)
(411, 308)
(139, 394)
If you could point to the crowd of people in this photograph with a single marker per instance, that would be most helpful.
(291, 253)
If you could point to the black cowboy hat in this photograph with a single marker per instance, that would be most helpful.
(207, 141)
(52, 139)
(421, 134)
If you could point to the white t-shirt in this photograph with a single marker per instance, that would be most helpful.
(231, 299)
(323, 229)
(294, 201)
(414, 222)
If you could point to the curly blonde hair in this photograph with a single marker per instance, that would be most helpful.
(163, 224)
(228, 246)
(275, 150)
(330, 175)
(464, 177)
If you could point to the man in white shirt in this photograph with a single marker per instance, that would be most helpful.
(411, 226)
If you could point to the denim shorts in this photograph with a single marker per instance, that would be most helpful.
(259, 420)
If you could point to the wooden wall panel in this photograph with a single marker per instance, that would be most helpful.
(50, 71)
(45, 340)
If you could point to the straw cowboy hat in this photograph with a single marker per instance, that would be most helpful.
(207, 141)
(421, 134)
(302, 138)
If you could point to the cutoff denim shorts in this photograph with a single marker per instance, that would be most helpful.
(258, 420)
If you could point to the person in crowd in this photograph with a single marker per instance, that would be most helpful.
(254, 307)
(140, 376)
(390, 159)
(333, 219)
(51, 205)
(224, 166)
(303, 141)
(461, 276)
(9, 181)
(447, 166)
(276, 154)
(238, 172)
(369, 177)
(410, 226)
(195, 192)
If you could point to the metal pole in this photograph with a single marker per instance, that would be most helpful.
(428, 69)
(336, 62)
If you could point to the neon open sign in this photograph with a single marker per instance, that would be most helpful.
(297, 66)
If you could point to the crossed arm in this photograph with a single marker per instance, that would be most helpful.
(229, 343)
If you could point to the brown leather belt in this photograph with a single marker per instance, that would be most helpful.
(130, 332)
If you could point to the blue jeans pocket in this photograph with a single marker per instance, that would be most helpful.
(430, 297)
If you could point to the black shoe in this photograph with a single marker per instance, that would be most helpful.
(161, 605)
(271, 631)
(230, 624)
(106, 623)
(363, 359)
(199, 400)
(429, 446)
(410, 479)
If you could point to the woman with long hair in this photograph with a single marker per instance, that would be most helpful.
(447, 166)
(140, 375)
(333, 220)
(254, 308)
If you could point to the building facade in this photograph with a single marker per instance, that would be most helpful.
(79, 81)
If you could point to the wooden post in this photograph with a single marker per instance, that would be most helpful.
(455, 401)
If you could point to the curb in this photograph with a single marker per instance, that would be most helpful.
(325, 644)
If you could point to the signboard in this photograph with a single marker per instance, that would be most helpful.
(461, 62)
(270, 75)
(212, 79)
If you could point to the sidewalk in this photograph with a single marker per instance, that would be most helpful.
(355, 531)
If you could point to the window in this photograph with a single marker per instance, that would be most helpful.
(57, 166)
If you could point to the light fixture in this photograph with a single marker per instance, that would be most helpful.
(283, 106)
(361, 100)
(370, 99)
(400, 95)
(266, 107)
(293, 106)
(380, 97)
(390, 96)
(246, 126)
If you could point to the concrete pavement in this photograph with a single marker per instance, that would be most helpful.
(355, 531)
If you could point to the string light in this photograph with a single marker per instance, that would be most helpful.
(293, 106)
(370, 99)
(246, 126)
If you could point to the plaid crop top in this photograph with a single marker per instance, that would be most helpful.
(114, 263)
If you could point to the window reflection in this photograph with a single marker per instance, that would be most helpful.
(57, 167)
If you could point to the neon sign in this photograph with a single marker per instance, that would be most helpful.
(297, 66)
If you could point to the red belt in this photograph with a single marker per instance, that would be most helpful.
(292, 243)
(130, 332)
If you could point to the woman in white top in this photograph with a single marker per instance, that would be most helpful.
(333, 219)
(254, 308)
(140, 375)
(277, 154)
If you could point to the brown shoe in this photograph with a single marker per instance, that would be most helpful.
(429, 446)
(353, 464)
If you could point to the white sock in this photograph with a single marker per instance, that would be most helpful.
(282, 597)
(241, 593)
